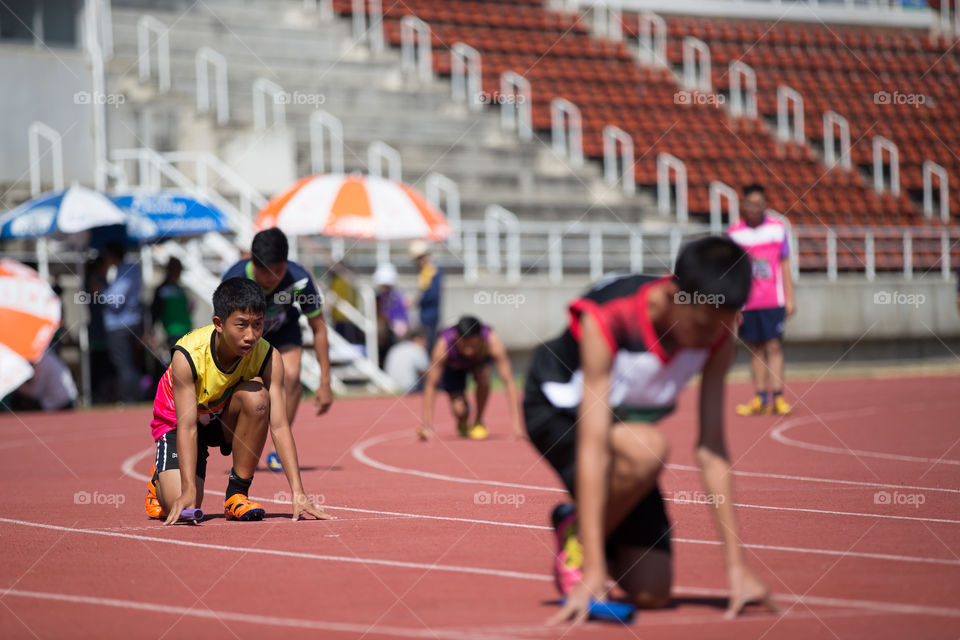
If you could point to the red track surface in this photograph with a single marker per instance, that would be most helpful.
(415, 555)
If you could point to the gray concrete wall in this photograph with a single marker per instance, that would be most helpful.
(45, 84)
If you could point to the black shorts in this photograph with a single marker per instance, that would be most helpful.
(454, 381)
(762, 325)
(288, 333)
(553, 432)
(209, 435)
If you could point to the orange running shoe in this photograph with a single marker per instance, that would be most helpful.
(150, 503)
(240, 507)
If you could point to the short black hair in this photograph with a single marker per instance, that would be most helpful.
(715, 268)
(754, 188)
(468, 326)
(238, 294)
(269, 247)
(114, 249)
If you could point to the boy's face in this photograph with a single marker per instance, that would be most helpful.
(470, 347)
(269, 277)
(753, 207)
(701, 325)
(241, 330)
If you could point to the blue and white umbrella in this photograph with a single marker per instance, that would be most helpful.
(69, 211)
(164, 214)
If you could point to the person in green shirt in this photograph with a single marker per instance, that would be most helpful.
(171, 307)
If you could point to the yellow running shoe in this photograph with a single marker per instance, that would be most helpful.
(753, 408)
(479, 432)
(780, 406)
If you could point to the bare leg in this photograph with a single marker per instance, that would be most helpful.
(758, 368)
(459, 407)
(482, 377)
(168, 489)
(246, 420)
(290, 354)
(775, 362)
(645, 574)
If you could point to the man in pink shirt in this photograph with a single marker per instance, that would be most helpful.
(770, 303)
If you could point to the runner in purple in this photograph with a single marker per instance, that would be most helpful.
(468, 347)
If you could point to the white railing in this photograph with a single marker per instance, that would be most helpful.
(374, 35)
(444, 194)
(881, 144)
(611, 137)
(377, 153)
(466, 76)
(607, 21)
(696, 65)
(35, 131)
(652, 39)
(320, 122)
(205, 58)
(516, 104)
(930, 169)
(665, 163)
(262, 87)
(833, 119)
(743, 89)
(566, 130)
(145, 26)
(718, 190)
(211, 174)
(496, 218)
(324, 7)
(416, 50)
(785, 130)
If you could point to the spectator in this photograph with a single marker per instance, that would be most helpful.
(171, 307)
(102, 373)
(50, 389)
(122, 319)
(392, 321)
(770, 303)
(407, 361)
(342, 286)
(430, 283)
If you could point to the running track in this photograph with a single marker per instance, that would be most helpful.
(450, 540)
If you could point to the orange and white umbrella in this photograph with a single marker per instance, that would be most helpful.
(29, 315)
(354, 206)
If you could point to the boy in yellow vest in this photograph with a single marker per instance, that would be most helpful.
(223, 388)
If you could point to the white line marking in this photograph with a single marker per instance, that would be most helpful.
(837, 602)
(359, 452)
(236, 616)
(779, 431)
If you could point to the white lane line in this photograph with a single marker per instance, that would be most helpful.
(779, 432)
(834, 602)
(359, 452)
(129, 462)
(236, 616)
